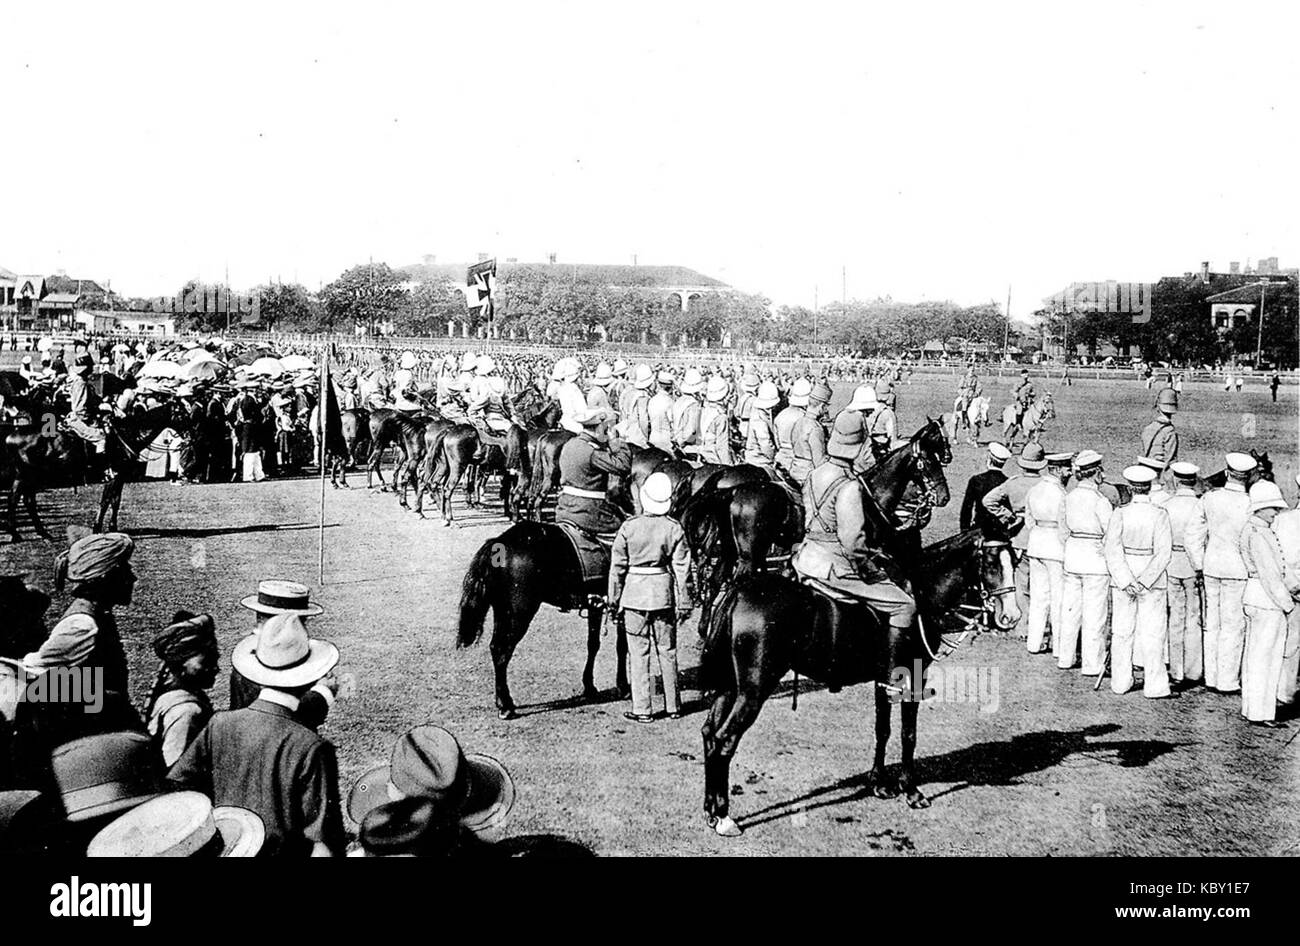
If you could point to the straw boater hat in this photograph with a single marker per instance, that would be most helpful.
(1032, 457)
(105, 774)
(428, 762)
(800, 392)
(181, 824)
(603, 375)
(717, 389)
(767, 396)
(656, 494)
(864, 399)
(643, 378)
(277, 596)
(1266, 495)
(692, 381)
(281, 654)
(1152, 463)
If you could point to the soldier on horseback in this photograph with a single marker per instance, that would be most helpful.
(835, 552)
(404, 398)
(1024, 396)
(808, 438)
(586, 463)
(83, 405)
(487, 411)
(715, 423)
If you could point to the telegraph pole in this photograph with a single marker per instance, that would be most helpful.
(1259, 340)
(1006, 332)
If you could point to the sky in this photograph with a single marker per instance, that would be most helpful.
(920, 151)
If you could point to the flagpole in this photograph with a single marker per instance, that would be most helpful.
(321, 421)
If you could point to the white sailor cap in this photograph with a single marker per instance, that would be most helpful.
(1087, 459)
(1059, 459)
(1185, 470)
(1240, 462)
(1137, 474)
(998, 453)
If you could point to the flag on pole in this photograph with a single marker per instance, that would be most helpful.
(480, 285)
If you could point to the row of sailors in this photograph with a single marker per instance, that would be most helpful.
(1159, 563)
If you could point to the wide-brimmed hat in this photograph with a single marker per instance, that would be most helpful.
(656, 494)
(1032, 457)
(181, 824)
(105, 774)
(717, 389)
(1266, 495)
(408, 827)
(277, 596)
(800, 392)
(428, 762)
(848, 434)
(590, 418)
(27, 822)
(1167, 401)
(767, 395)
(280, 654)
(864, 399)
(603, 375)
(692, 381)
(643, 378)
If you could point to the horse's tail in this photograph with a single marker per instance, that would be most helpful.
(717, 669)
(474, 595)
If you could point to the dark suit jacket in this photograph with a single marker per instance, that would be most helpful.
(972, 512)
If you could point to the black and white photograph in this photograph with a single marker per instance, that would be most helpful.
(581, 430)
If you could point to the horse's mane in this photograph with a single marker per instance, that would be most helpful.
(936, 555)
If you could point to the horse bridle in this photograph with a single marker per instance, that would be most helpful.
(983, 619)
(929, 486)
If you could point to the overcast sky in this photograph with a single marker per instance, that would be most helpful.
(933, 151)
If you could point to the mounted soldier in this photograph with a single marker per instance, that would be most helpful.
(686, 414)
(835, 551)
(760, 442)
(808, 438)
(660, 412)
(633, 409)
(785, 422)
(1024, 396)
(404, 396)
(715, 423)
(83, 404)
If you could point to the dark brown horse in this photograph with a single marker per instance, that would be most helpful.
(768, 625)
(39, 454)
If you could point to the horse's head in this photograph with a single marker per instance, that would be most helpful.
(929, 452)
(997, 585)
(1263, 466)
(971, 583)
(934, 441)
(1047, 407)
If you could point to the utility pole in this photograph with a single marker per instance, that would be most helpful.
(1259, 340)
(1006, 332)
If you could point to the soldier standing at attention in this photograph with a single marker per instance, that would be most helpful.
(1137, 547)
(1159, 438)
(1006, 503)
(1185, 667)
(1212, 545)
(972, 509)
(647, 583)
(1287, 529)
(1268, 600)
(808, 440)
(1045, 523)
(715, 423)
(1087, 579)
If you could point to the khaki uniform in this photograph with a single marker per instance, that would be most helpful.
(1185, 660)
(585, 466)
(784, 426)
(647, 582)
(1160, 440)
(1006, 502)
(634, 426)
(598, 400)
(715, 434)
(1267, 601)
(808, 444)
(1137, 547)
(1212, 545)
(660, 414)
(760, 443)
(1087, 579)
(686, 424)
(1045, 523)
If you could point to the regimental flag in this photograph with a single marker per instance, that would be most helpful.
(480, 287)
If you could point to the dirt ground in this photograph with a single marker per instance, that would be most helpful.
(1019, 759)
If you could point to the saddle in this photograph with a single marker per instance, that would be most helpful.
(592, 551)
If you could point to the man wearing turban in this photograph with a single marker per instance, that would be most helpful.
(179, 706)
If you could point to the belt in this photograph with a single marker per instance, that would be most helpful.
(1046, 522)
(1086, 535)
(1180, 548)
(583, 493)
(647, 570)
(1133, 551)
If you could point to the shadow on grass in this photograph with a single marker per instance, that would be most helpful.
(999, 763)
(207, 533)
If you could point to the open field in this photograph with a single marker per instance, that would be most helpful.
(1034, 762)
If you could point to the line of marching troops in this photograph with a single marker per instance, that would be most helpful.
(1197, 587)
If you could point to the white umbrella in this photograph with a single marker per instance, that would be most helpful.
(160, 369)
(199, 354)
(271, 367)
(201, 370)
(297, 363)
(45, 344)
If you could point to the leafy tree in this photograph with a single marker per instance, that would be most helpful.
(369, 294)
(288, 308)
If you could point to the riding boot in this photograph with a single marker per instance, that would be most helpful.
(833, 675)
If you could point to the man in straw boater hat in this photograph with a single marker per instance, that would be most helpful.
(1087, 579)
(649, 563)
(1137, 547)
(1185, 654)
(181, 824)
(1212, 541)
(1271, 591)
(278, 596)
(1006, 504)
(1159, 438)
(471, 791)
(834, 551)
(261, 757)
(1045, 549)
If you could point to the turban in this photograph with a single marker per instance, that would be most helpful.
(97, 555)
(178, 642)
